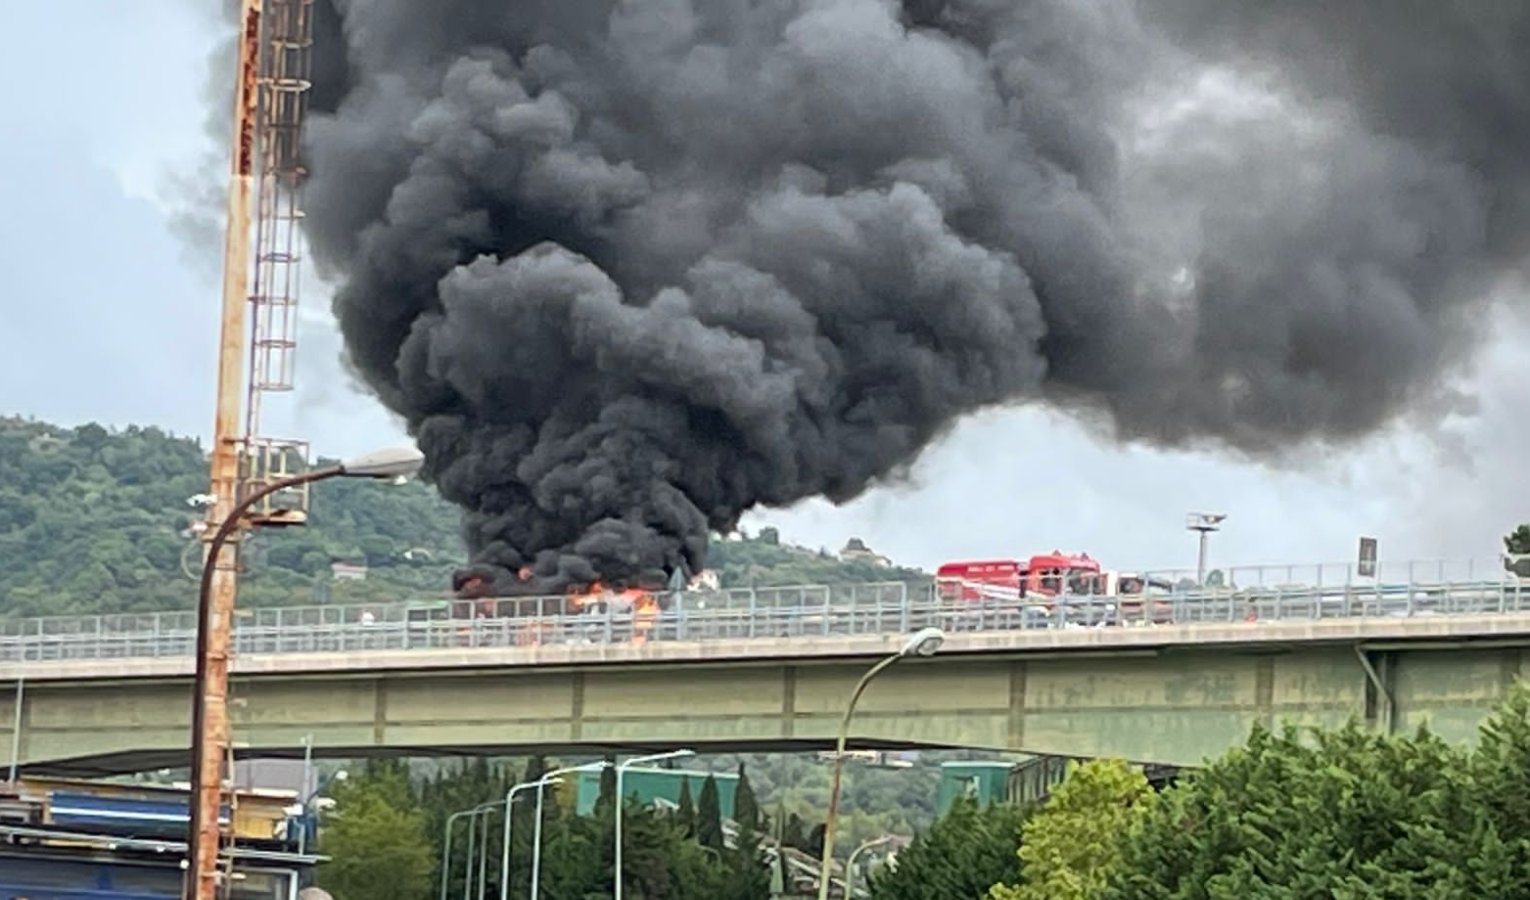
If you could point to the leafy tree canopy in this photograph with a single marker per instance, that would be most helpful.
(1071, 846)
(376, 840)
(962, 855)
(1344, 813)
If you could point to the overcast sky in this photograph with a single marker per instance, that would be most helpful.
(105, 317)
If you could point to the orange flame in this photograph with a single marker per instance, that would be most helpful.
(643, 606)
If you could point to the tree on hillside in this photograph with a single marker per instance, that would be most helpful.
(1071, 846)
(962, 855)
(685, 812)
(793, 832)
(95, 521)
(746, 808)
(709, 831)
(1517, 543)
(606, 799)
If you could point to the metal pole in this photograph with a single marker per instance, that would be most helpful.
(467, 858)
(504, 863)
(308, 787)
(446, 851)
(21, 696)
(839, 765)
(536, 841)
(536, 835)
(1200, 562)
(210, 731)
(483, 853)
(209, 717)
(308, 790)
(621, 802)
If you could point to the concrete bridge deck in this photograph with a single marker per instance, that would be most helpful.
(1170, 693)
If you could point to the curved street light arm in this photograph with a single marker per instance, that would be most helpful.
(850, 865)
(839, 767)
(210, 563)
(504, 863)
(621, 802)
(536, 831)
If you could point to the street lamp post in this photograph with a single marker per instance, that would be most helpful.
(1205, 523)
(536, 831)
(621, 802)
(924, 642)
(504, 863)
(850, 866)
(209, 711)
(310, 820)
(446, 848)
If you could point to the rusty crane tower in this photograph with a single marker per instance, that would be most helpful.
(256, 358)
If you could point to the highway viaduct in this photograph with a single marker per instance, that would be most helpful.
(1165, 693)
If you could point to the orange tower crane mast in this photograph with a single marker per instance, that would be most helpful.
(270, 94)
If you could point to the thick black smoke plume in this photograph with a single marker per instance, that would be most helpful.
(631, 268)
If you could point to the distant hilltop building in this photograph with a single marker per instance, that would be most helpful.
(346, 571)
(855, 550)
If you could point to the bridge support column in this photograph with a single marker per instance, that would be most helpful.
(1513, 668)
(576, 711)
(1380, 701)
(788, 701)
(1264, 689)
(18, 725)
(1017, 679)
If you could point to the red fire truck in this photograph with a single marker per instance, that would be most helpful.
(1042, 576)
(1038, 582)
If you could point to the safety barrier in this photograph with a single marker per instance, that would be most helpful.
(733, 615)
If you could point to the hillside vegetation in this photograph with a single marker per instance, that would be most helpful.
(98, 521)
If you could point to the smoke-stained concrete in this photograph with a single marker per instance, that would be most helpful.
(631, 269)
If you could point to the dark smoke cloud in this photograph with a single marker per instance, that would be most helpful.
(629, 269)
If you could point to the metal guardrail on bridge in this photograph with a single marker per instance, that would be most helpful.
(732, 615)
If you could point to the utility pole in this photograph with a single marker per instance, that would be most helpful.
(1205, 523)
(210, 725)
(270, 91)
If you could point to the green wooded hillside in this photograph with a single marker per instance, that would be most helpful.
(94, 520)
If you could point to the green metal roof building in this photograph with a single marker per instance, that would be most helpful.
(986, 781)
(649, 785)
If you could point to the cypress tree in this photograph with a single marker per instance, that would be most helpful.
(607, 798)
(746, 808)
(709, 831)
(686, 814)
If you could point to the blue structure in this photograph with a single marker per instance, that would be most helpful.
(75, 840)
(85, 811)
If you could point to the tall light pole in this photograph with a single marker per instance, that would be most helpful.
(1205, 523)
(209, 711)
(446, 847)
(923, 642)
(310, 820)
(504, 863)
(446, 850)
(621, 801)
(536, 831)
